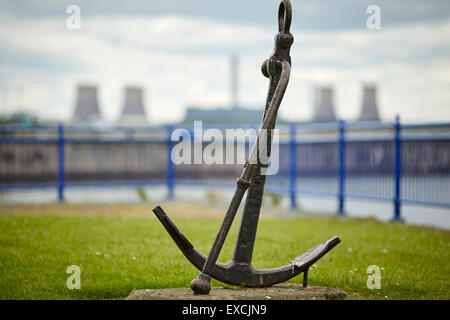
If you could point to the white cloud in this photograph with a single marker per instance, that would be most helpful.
(185, 61)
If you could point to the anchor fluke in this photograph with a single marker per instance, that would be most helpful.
(315, 253)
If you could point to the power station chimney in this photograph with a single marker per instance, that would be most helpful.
(133, 108)
(369, 110)
(86, 107)
(323, 105)
(234, 81)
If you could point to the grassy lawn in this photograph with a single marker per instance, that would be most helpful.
(122, 248)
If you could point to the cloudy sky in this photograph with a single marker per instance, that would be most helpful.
(179, 52)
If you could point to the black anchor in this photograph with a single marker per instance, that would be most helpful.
(239, 271)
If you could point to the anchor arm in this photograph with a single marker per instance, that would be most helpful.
(237, 274)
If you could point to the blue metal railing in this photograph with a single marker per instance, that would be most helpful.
(341, 142)
(170, 165)
(399, 163)
(61, 162)
(292, 166)
(398, 155)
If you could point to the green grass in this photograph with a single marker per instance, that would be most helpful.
(36, 250)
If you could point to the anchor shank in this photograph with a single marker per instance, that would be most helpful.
(244, 181)
(243, 251)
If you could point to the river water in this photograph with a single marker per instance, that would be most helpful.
(383, 211)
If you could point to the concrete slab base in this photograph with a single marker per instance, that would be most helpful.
(284, 291)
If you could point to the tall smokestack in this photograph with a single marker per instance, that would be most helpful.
(323, 105)
(369, 110)
(133, 108)
(86, 107)
(234, 81)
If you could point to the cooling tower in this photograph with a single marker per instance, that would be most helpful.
(323, 105)
(133, 108)
(369, 110)
(86, 107)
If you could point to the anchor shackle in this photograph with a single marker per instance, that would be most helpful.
(271, 67)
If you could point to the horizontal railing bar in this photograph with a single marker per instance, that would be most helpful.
(429, 125)
(368, 197)
(32, 128)
(112, 140)
(426, 203)
(164, 140)
(440, 137)
(6, 187)
(13, 186)
(27, 140)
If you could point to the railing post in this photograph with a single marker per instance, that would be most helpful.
(341, 152)
(170, 164)
(397, 170)
(292, 164)
(61, 163)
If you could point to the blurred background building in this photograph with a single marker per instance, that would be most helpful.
(86, 105)
(324, 104)
(133, 111)
(369, 108)
(233, 114)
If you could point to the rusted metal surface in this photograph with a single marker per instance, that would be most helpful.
(239, 271)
